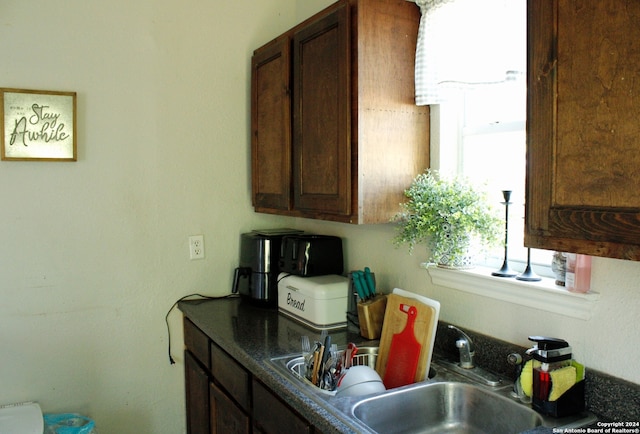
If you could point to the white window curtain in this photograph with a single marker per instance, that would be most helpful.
(465, 43)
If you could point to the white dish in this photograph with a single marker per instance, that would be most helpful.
(359, 380)
(366, 388)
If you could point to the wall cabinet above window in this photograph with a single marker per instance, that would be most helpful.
(335, 131)
(583, 173)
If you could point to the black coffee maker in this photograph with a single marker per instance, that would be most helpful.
(256, 277)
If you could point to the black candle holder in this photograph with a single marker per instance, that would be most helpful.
(505, 271)
(528, 275)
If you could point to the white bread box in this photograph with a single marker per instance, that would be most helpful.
(319, 301)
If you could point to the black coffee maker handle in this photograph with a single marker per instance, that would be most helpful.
(239, 272)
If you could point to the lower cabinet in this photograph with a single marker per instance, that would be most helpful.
(274, 416)
(226, 417)
(223, 397)
(197, 395)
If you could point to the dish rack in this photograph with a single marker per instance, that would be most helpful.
(366, 356)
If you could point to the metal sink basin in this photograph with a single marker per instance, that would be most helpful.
(448, 402)
(447, 407)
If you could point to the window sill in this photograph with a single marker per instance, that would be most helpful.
(542, 295)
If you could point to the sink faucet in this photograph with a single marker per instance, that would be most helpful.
(516, 360)
(465, 347)
(466, 366)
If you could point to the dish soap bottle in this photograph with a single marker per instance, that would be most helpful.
(578, 275)
(549, 354)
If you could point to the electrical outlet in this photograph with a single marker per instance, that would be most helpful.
(196, 247)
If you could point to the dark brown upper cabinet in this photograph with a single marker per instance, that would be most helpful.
(583, 128)
(335, 131)
(271, 126)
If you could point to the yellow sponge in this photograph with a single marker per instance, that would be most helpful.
(561, 380)
(526, 378)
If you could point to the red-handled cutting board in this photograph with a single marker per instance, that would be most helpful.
(395, 323)
(404, 352)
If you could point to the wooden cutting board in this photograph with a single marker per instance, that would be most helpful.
(395, 322)
(404, 352)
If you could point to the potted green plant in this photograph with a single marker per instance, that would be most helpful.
(450, 214)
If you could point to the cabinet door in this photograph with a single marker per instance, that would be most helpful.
(273, 416)
(231, 376)
(197, 396)
(583, 164)
(271, 126)
(321, 115)
(226, 417)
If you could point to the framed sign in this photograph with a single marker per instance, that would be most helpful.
(38, 125)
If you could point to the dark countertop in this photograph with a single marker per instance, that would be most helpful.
(253, 335)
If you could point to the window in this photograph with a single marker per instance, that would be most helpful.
(481, 135)
(479, 115)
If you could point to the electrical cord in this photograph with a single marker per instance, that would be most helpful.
(166, 317)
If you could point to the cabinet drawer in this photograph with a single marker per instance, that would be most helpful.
(196, 342)
(231, 376)
(273, 415)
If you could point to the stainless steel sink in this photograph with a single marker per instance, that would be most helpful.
(448, 402)
(448, 407)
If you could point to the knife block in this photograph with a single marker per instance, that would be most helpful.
(371, 316)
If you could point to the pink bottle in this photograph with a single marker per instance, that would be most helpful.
(578, 277)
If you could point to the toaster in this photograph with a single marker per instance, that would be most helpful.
(311, 255)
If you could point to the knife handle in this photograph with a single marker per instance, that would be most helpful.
(370, 281)
(358, 284)
(327, 350)
(316, 367)
(366, 289)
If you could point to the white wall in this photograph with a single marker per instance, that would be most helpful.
(93, 253)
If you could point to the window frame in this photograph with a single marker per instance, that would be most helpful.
(448, 126)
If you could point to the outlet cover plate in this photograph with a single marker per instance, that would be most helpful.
(196, 247)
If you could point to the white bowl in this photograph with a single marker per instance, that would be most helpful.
(359, 380)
